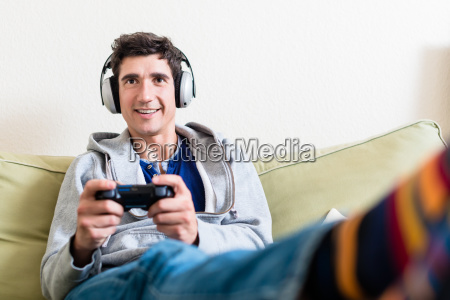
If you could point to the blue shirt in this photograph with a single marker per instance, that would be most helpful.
(182, 163)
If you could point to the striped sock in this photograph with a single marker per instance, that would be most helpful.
(404, 240)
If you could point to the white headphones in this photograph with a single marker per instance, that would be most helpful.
(184, 87)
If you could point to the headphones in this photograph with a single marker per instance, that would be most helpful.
(184, 87)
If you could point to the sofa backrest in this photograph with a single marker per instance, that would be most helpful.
(350, 178)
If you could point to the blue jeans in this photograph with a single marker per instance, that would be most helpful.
(174, 270)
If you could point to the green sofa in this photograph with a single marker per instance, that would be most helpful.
(349, 178)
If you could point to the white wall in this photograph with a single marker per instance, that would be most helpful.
(327, 72)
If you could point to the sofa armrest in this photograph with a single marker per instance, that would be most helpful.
(29, 186)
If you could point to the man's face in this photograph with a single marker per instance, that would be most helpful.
(147, 96)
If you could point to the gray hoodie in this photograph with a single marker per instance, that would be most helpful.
(236, 212)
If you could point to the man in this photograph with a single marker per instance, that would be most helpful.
(218, 205)
(95, 250)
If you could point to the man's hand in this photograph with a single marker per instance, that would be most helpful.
(175, 217)
(96, 221)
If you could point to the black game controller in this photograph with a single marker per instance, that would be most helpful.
(136, 196)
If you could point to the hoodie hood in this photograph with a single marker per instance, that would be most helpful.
(120, 144)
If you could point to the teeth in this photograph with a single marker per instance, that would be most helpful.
(146, 111)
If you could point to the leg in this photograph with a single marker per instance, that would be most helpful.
(358, 259)
(405, 237)
(174, 270)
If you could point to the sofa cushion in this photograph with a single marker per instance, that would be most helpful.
(29, 186)
(349, 178)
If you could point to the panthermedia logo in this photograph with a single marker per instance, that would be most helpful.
(239, 150)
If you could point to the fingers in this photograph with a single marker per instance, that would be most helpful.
(95, 185)
(180, 233)
(175, 181)
(175, 217)
(90, 206)
(99, 207)
(100, 221)
(96, 219)
(176, 204)
(88, 238)
(182, 201)
(103, 233)
(179, 225)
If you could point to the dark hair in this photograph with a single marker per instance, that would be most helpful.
(145, 43)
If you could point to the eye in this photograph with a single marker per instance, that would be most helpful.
(131, 81)
(159, 80)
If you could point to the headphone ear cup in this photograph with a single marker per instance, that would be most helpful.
(177, 83)
(110, 95)
(186, 90)
(115, 93)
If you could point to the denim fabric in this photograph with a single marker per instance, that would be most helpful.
(174, 270)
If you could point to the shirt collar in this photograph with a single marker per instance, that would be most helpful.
(164, 163)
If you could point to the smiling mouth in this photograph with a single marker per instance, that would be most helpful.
(147, 111)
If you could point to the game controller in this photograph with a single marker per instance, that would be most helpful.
(136, 196)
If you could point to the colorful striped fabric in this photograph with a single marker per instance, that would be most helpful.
(400, 249)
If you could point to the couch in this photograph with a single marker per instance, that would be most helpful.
(349, 178)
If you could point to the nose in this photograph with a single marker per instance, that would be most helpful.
(147, 91)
